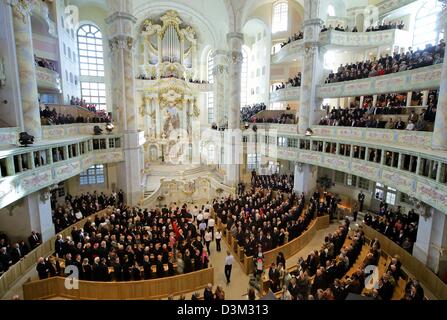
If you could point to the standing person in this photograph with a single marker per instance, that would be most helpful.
(211, 224)
(229, 259)
(218, 237)
(202, 229)
(206, 216)
(208, 238)
(361, 199)
(199, 217)
(195, 212)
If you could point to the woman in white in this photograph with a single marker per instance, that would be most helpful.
(218, 237)
(208, 238)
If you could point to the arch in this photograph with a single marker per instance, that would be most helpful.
(360, 21)
(426, 30)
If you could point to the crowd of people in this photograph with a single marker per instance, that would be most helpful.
(249, 111)
(297, 36)
(281, 117)
(81, 103)
(44, 63)
(275, 182)
(292, 82)
(399, 61)
(76, 208)
(323, 274)
(52, 117)
(11, 253)
(131, 244)
(399, 227)
(152, 77)
(367, 118)
(379, 27)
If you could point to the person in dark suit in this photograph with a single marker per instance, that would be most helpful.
(386, 288)
(361, 199)
(160, 268)
(16, 254)
(42, 269)
(208, 294)
(34, 240)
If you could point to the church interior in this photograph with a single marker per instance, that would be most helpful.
(223, 150)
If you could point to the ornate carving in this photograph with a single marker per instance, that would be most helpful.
(22, 8)
(236, 57)
(121, 42)
(220, 69)
(309, 51)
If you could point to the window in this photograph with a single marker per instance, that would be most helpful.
(426, 24)
(210, 67)
(93, 175)
(276, 48)
(363, 183)
(210, 104)
(280, 15)
(351, 180)
(339, 177)
(391, 196)
(90, 51)
(253, 161)
(244, 73)
(210, 153)
(330, 10)
(95, 93)
(91, 64)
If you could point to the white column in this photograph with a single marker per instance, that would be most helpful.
(305, 179)
(308, 113)
(439, 140)
(33, 213)
(121, 23)
(431, 244)
(26, 66)
(234, 138)
(221, 82)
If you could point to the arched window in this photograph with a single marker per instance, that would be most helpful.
(280, 16)
(426, 29)
(91, 66)
(244, 78)
(330, 10)
(210, 95)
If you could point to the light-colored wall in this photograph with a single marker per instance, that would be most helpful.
(73, 186)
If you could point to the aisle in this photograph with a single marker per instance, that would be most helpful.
(239, 280)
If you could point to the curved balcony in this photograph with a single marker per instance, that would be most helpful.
(393, 37)
(289, 52)
(412, 80)
(287, 94)
(77, 155)
(9, 136)
(70, 130)
(418, 178)
(48, 80)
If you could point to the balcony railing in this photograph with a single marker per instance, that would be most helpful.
(405, 81)
(287, 94)
(289, 52)
(414, 170)
(26, 170)
(69, 130)
(394, 37)
(48, 79)
(336, 38)
(9, 136)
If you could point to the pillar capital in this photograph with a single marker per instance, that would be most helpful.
(121, 42)
(22, 8)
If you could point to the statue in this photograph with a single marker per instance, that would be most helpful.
(172, 121)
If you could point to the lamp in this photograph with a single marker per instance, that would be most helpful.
(309, 132)
(109, 127)
(97, 130)
(25, 139)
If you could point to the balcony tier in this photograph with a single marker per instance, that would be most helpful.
(418, 79)
(48, 80)
(287, 94)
